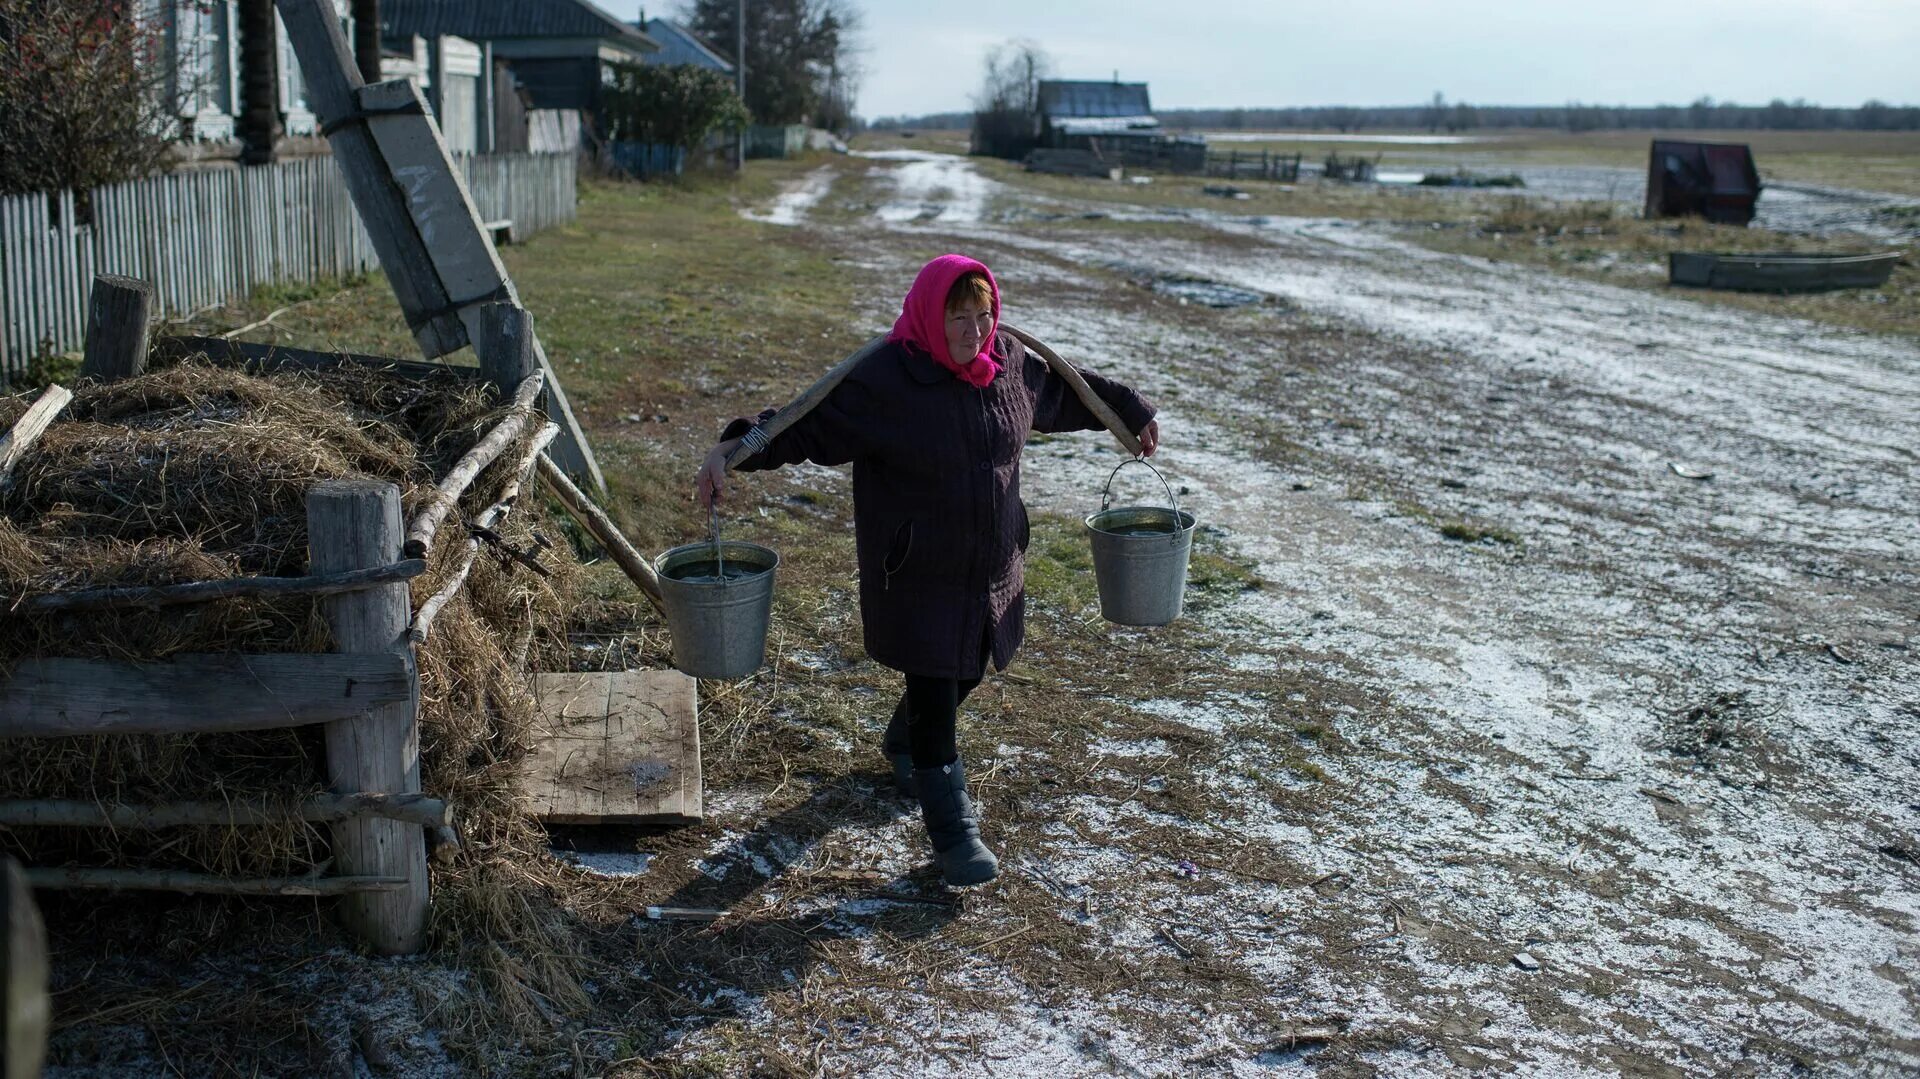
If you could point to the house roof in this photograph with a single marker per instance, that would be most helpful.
(1061, 97)
(676, 39)
(488, 20)
(1107, 125)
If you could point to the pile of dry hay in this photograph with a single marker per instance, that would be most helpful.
(198, 472)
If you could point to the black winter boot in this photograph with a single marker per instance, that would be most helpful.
(899, 749)
(953, 824)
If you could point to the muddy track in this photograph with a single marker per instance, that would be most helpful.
(1609, 597)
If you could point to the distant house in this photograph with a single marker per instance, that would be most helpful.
(559, 51)
(679, 45)
(448, 71)
(1073, 112)
(200, 48)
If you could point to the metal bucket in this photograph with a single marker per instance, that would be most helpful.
(719, 599)
(1140, 556)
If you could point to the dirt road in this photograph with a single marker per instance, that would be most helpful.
(1593, 610)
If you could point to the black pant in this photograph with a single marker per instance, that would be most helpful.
(933, 706)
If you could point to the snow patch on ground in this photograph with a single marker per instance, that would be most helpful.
(790, 207)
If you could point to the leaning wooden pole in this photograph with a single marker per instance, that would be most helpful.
(629, 559)
(353, 524)
(25, 1007)
(484, 452)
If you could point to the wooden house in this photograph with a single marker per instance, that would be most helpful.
(679, 45)
(1073, 112)
(558, 51)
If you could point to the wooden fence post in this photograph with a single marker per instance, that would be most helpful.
(353, 524)
(25, 1011)
(117, 315)
(505, 346)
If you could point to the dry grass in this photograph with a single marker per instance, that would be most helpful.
(195, 472)
(1604, 242)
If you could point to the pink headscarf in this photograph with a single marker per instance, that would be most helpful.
(923, 317)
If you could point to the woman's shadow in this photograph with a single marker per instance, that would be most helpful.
(700, 970)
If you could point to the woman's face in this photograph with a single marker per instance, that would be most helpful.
(967, 329)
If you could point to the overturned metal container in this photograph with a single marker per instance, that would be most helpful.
(1140, 556)
(719, 600)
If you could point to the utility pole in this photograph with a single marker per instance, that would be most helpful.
(740, 79)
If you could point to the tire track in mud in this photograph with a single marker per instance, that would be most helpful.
(1523, 792)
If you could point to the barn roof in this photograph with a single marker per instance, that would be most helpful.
(1062, 97)
(488, 20)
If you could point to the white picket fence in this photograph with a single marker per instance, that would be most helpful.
(200, 237)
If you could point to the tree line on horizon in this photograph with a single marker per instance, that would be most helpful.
(1440, 115)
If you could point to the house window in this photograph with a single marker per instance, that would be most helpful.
(203, 41)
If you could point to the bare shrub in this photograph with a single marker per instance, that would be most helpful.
(83, 98)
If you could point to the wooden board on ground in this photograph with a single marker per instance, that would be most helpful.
(617, 747)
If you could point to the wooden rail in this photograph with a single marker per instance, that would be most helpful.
(173, 880)
(169, 595)
(55, 698)
(319, 809)
(447, 494)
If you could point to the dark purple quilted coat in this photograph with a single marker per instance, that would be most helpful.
(938, 523)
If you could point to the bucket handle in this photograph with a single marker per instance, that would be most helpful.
(1106, 496)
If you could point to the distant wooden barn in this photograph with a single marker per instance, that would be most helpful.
(1072, 112)
(1114, 121)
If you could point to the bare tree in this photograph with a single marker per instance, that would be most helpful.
(84, 95)
(1013, 73)
(1435, 112)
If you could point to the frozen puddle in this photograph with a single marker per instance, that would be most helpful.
(791, 207)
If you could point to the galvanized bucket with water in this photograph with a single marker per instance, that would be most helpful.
(1140, 556)
(719, 600)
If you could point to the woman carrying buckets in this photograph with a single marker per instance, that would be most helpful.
(934, 423)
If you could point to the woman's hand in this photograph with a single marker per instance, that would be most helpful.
(711, 482)
(1149, 438)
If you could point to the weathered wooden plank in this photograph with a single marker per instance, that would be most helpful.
(167, 595)
(20, 437)
(620, 747)
(170, 880)
(48, 698)
(353, 524)
(264, 358)
(455, 238)
(436, 194)
(321, 808)
(333, 84)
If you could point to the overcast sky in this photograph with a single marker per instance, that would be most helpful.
(925, 55)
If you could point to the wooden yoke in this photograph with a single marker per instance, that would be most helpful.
(1065, 370)
(816, 393)
(809, 398)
